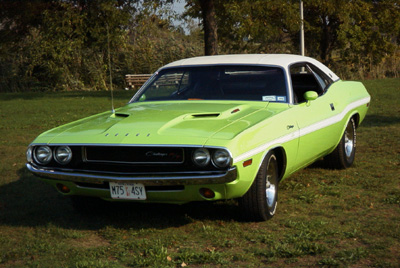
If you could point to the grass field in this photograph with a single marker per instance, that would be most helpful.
(325, 218)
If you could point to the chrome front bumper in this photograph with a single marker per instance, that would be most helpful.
(156, 179)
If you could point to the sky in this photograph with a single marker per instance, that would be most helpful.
(179, 7)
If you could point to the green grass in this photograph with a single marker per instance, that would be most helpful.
(325, 218)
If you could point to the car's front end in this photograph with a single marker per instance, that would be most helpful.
(173, 174)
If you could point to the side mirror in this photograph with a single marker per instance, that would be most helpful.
(310, 95)
(142, 98)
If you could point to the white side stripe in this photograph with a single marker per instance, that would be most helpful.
(334, 119)
(262, 148)
(304, 131)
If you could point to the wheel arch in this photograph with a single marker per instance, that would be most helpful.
(356, 118)
(280, 155)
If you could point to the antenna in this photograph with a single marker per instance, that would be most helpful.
(301, 28)
(109, 67)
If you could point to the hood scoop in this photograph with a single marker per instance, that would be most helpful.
(207, 115)
(121, 115)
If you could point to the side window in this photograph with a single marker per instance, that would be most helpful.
(322, 78)
(303, 80)
(320, 81)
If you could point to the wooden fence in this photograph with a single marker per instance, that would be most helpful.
(135, 81)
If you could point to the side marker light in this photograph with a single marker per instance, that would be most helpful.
(247, 162)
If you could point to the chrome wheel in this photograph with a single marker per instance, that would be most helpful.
(349, 140)
(261, 200)
(270, 187)
(344, 153)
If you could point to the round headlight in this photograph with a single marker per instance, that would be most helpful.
(201, 157)
(43, 155)
(63, 155)
(221, 158)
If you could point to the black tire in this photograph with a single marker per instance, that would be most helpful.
(344, 154)
(261, 200)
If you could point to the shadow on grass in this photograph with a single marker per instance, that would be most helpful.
(30, 202)
(380, 121)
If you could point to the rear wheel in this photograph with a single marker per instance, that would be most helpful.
(260, 201)
(343, 155)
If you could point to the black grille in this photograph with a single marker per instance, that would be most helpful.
(134, 155)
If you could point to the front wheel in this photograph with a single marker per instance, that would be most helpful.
(260, 201)
(343, 155)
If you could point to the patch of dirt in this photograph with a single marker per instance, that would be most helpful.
(91, 241)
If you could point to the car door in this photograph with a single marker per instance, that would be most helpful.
(318, 135)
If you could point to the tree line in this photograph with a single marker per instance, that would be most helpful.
(64, 45)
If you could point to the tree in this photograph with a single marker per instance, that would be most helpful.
(257, 26)
(206, 10)
(210, 27)
(63, 45)
(152, 43)
(250, 26)
(323, 20)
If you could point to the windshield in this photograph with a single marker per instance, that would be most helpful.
(253, 83)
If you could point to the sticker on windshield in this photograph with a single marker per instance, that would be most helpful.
(281, 98)
(269, 98)
(274, 98)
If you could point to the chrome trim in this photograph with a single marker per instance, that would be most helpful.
(29, 154)
(176, 178)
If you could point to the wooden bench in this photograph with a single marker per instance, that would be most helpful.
(135, 81)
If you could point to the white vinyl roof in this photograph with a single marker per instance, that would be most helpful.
(283, 60)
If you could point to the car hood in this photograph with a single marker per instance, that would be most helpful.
(191, 122)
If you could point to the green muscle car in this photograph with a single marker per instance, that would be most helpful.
(208, 128)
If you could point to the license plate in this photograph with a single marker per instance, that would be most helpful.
(132, 191)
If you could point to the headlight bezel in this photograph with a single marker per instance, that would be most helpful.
(47, 159)
(29, 154)
(206, 156)
(68, 158)
(212, 161)
(226, 163)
